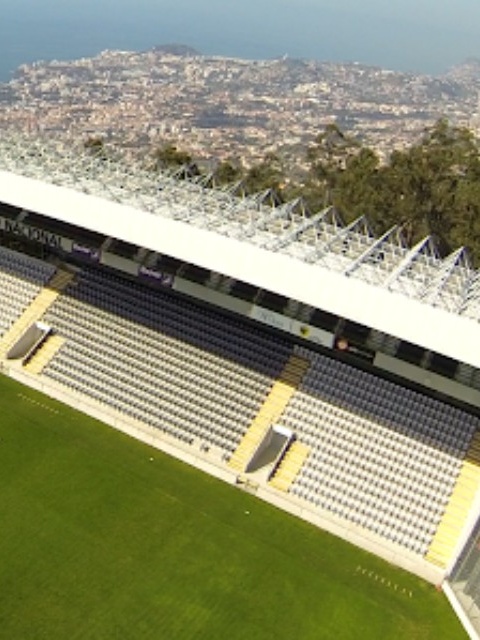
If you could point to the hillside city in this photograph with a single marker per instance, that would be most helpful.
(223, 108)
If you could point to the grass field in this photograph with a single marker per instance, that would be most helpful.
(98, 541)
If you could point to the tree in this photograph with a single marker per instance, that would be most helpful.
(267, 174)
(227, 172)
(95, 146)
(327, 158)
(357, 190)
(169, 156)
(429, 188)
(422, 184)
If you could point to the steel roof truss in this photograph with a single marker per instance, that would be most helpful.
(372, 250)
(291, 235)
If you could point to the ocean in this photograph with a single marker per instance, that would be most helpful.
(62, 37)
(57, 30)
(68, 29)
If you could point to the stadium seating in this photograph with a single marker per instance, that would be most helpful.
(163, 360)
(21, 279)
(376, 454)
(382, 456)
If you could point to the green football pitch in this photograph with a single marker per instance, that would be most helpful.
(102, 537)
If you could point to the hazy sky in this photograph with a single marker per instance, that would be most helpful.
(419, 35)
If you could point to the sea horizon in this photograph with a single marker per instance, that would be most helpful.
(51, 31)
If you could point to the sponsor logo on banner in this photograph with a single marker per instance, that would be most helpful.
(159, 277)
(272, 318)
(86, 252)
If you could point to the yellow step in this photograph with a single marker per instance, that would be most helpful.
(270, 411)
(439, 561)
(456, 512)
(60, 279)
(44, 354)
(290, 466)
(35, 310)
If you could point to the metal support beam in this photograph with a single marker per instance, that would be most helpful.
(283, 211)
(407, 261)
(470, 305)
(452, 264)
(259, 219)
(340, 234)
(370, 250)
(289, 237)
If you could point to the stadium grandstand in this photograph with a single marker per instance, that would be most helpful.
(329, 371)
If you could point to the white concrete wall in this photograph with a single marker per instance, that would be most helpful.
(395, 554)
(428, 379)
(119, 263)
(28, 341)
(219, 299)
(461, 614)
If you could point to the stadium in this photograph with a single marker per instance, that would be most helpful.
(329, 372)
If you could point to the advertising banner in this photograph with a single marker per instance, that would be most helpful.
(156, 277)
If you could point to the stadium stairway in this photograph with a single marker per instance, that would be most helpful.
(35, 310)
(290, 466)
(270, 411)
(458, 508)
(44, 354)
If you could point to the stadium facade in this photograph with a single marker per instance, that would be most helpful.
(332, 372)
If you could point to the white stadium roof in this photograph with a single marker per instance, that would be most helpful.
(410, 293)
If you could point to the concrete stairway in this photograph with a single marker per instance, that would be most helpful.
(290, 466)
(35, 310)
(44, 354)
(271, 410)
(451, 526)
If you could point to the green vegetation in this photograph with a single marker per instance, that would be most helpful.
(100, 541)
(169, 156)
(432, 187)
